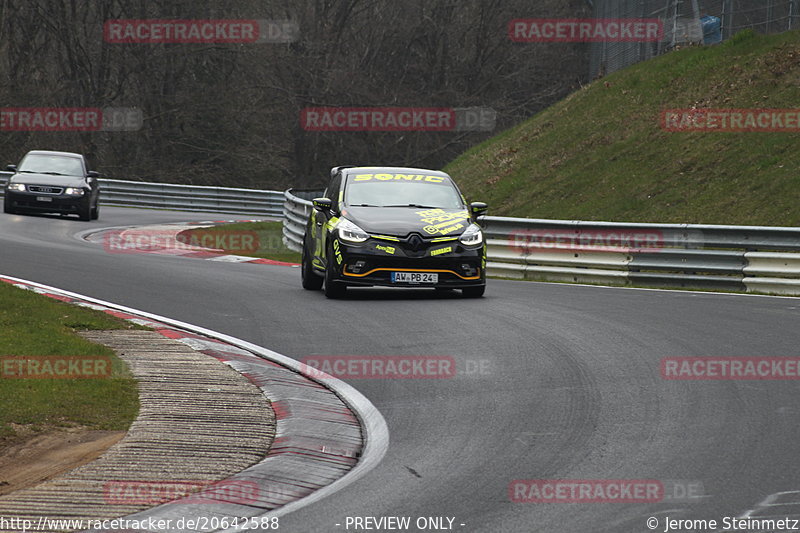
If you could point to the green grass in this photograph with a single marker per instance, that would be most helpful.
(601, 154)
(269, 239)
(35, 325)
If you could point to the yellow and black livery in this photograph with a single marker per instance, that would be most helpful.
(393, 226)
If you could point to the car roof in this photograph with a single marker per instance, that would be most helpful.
(395, 170)
(50, 152)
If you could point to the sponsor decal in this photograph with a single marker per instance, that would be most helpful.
(441, 221)
(387, 249)
(337, 251)
(440, 251)
(399, 177)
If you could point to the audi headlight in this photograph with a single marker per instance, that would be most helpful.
(471, 236)
(16, 187)
(74, 191)
(350, 232)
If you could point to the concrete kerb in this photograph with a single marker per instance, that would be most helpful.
(309, 453)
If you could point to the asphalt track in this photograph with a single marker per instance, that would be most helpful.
(570, 386)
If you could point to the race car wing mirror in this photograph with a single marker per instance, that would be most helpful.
(478, 208)
(322, 204)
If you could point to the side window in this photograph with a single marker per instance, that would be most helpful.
(333, 190)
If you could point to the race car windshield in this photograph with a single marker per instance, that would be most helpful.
(397, 190)
(51, 164)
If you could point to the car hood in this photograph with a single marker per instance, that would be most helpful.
(401, 221)
(47, 179)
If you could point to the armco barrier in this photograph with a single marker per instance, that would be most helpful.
(737, 258)
(296, 210)
(186, 197)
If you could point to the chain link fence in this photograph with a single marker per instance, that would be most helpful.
(686, 22)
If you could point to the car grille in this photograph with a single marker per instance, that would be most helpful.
(45, 190)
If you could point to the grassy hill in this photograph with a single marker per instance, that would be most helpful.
(601, 153)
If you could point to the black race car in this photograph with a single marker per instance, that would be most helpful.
(395, 227)
(53, 182)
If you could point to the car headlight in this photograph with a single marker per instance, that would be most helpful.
(74, 191)
(472, 235)
(350, 232)
(16, 187)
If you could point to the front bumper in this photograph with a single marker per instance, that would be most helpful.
(372, 263)
(60, 203)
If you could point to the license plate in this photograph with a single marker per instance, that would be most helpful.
(44, 199)
(415, 277)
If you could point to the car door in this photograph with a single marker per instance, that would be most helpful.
(320, 221)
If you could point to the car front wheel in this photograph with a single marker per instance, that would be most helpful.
(333, 288)
(473, 292)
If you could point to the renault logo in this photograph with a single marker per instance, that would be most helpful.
(415, 242)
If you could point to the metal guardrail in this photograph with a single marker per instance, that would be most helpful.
(738, 258)
(186, 197)
(296, 210)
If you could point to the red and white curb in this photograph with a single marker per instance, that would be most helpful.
(327, 436)
(169, 232)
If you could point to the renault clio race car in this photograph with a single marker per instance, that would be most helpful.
(393, 227)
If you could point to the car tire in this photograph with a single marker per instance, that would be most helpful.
(311, 281)
(473, 292)
(333, 289)
(96, 210)
(7, 207)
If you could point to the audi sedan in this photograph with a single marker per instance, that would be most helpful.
(394, 227)
(53, 182)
